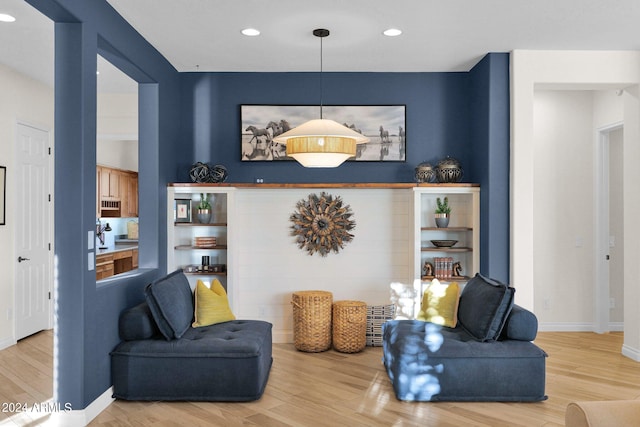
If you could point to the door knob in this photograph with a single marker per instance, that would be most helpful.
(20, 259)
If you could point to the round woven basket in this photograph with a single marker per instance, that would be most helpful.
(312, 320)
(349, 326)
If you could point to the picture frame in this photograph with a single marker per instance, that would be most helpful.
(3, 194)
(183, 210)
(384, 125)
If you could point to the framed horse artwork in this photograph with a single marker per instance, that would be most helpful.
(384, 125)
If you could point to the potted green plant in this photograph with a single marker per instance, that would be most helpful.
(204, 209)
(442, 212)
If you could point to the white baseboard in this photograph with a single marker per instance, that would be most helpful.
(6, 342)
(565, 327)
(631, 353)
(577, 327)
(283, 337)
(81, 418)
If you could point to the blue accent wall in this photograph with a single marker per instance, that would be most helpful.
(490, 148)
(87, 315)
(437, 117)
(196, 117)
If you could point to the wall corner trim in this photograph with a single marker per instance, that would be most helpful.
(81, 418)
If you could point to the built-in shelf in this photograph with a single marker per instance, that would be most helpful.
(464, 227)
(436, 249)
(199, 248)
(446, 228)
(198, 224)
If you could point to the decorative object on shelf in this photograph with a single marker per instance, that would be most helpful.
(204, 209)
(424, 172)
(199, 172)
(444, 243)
(457, 270)
(218, 173)
(204, 173)
(322, 224)
(205, 242)
(183, 210)
(443, 267)
(443, 210)
(449, 170)
(321, 143)
(427, 270)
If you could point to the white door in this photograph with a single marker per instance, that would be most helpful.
(33, 218)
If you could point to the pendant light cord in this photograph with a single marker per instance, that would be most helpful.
(321, 78)
(321, 33)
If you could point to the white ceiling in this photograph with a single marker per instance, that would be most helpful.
(439, 35)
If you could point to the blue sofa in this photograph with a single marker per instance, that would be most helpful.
(162, 357)
(488, 356)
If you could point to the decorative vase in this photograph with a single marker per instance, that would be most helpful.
(204, 216)
(442, 220)
(424, 172)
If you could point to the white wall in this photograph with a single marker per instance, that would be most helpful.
(577, 70)
(31, 102)
(563, 201)
(270, 266)
(117, 130)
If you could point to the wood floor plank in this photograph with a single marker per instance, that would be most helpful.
(331, 388)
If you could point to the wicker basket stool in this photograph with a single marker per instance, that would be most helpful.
(312, 320)
(349, 326)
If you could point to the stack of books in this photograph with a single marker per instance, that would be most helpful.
(443, 267)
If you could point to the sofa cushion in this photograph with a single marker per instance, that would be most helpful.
(171, 303)
(136, 323)
(223, 362)
(484, 307)
(440, 304)
(428, 362)
(212, 304)
(521, 325)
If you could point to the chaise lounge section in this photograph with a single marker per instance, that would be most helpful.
(162, 357)
(487, 356)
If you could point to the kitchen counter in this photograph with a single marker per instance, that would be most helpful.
(115, 260)
(119, 247)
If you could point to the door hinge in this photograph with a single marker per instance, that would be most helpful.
(49, 246)
(607, 257)
(49, 197)
(49, 150)
(49, 294)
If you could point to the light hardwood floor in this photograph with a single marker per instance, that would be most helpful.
(335, 389)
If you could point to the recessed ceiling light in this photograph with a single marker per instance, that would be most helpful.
(6, 18)
(250, 32)
(392, 32)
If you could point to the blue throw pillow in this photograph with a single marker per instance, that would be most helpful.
(171, 303)
(484, 307)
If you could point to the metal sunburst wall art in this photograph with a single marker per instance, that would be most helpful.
(322, 224)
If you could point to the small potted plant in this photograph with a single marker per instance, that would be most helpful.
(204, 209)
(442, 212)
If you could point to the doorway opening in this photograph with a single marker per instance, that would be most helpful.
(609, 249)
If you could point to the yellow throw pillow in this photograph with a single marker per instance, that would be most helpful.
(440, 304)
(212, 305)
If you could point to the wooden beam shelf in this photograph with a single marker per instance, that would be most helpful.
(363, 185)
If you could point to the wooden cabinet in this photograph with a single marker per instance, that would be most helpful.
(113, 263)
(184, 251)
(104, 266)
(117, 192)
(464, 229)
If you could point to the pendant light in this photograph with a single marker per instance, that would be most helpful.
(321, 143)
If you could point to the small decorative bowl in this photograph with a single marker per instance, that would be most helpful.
(444, 243)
